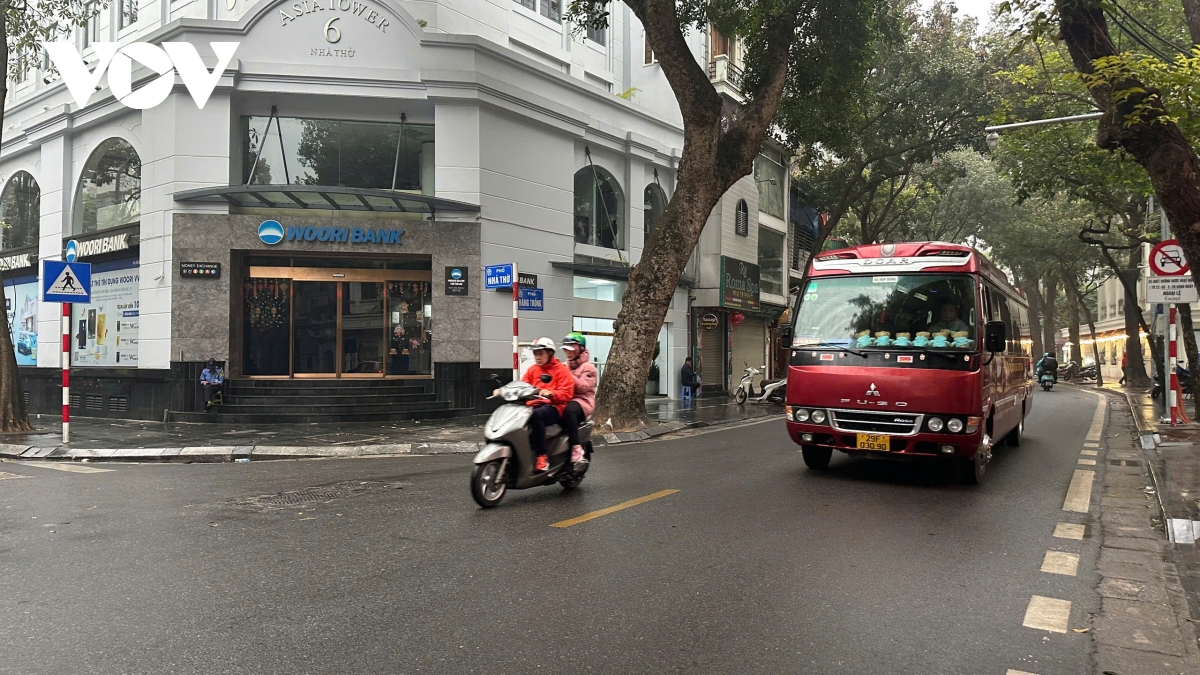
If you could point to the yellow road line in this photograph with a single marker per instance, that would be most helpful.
(1049, 614)
(1079, 494)
(1087, 462)
(613, 509)
(1068, 531)
(1089, 453)
(1057, 562)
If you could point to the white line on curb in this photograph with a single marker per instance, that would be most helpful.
(1079, 495)
(1097, 428)
(63, 466)
(1068, 531)
(1087, 462)
(1057, 562)
(1049, 614)
(1017, 672)
(1088, 453)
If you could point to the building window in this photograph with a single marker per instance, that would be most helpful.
(741, 219)
(20, 211)
(656, 205)
(110, 188)
(379, 155)
(590, 288)
(88, 31)
(768, 174)
(648, 58)
(599, 209)
(771, 250)
(720, 45)
(128, 14)
(599, 35)
(550, 10)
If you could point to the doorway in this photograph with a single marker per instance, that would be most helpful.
(301, 322)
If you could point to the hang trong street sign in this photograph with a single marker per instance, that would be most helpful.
(66, 281)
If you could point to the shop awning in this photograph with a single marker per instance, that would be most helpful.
(601, 271)
(324, 198)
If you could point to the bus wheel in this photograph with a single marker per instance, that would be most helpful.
(974, 469)
(817, 458)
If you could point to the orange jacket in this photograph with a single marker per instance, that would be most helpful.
(561, 385)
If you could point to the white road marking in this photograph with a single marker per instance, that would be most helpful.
(1049, 614)
(4, 475)
(1057, 562)
(1079, 495)
(66, 466)
(1010, 671)
(1088, 453)
(1087, 462)
(1068, 531)
(1183, 531)
(1091, 445)
(1097, 428)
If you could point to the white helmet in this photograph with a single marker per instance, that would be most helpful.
(544, 343)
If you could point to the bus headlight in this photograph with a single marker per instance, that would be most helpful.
(935, 424)
(955, 425)
(818, 416)
(801, 415)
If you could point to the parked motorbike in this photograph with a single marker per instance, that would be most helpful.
(1068, 370)
(770, 392)
(1185, 382)
(1088, 372)
(508, 461)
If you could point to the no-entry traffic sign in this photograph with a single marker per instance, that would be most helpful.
(1166, 259)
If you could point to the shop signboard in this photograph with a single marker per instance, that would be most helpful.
(709, 322)
(104, 331)
(739, 284)
(456, 280)
(20, 302)
(204, 270)
(17, 261)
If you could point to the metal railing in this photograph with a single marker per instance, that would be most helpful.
(722, 70)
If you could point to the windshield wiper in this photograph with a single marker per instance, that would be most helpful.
(841, 347)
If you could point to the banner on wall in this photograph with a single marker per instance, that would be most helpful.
(20, 302)
(104, 332)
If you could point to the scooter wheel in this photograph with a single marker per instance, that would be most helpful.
(739, 396)
(485, 486)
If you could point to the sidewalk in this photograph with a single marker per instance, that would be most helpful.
(1172, 457)
(96, 438)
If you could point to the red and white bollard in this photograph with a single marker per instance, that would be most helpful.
(66, 370)
(1172, 353)
(516, 303)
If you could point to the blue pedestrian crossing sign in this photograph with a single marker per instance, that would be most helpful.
(66, 281)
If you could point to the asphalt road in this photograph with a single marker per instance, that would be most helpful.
(756, 565)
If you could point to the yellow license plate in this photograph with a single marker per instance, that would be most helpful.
(874, 442)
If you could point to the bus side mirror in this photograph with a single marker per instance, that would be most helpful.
(995, 337)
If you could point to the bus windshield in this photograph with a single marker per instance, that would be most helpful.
(935, 311)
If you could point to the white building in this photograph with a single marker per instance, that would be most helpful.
(317, 217)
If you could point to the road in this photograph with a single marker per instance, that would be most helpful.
(755, 565)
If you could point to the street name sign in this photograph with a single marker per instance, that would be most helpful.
(66, 282)
(531, 299)
(498, 276)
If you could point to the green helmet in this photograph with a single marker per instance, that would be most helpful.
(575, 337)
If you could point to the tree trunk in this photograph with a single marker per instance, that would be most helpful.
(1189, 347)
(1137, 122)
(720, 143)
(1091, 322)
(1135, 323)
(1029, 284)
(1073, 301)
(1049, 320)
(1191, 12)
(12, 394)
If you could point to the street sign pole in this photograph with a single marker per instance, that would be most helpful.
(516, 291)
(1173, 356)
(66, 370)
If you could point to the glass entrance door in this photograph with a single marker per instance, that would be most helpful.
(314, 328)
(362, 327)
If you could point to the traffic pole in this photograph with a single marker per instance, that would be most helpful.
(516, 347)
(66, 370)
(1172, 355)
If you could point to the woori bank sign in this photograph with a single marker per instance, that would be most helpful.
(165, 59)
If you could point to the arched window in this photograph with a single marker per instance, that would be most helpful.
(741, 221)
(20, 211)
(599, 208)
(110, 188)
(656, 204)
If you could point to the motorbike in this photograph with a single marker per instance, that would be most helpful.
(507, 461)
(770, 392)
(1068, 370)
(1047, 381)
(1185, 382)
(1087, 372)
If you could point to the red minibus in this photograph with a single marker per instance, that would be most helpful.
(908, 350)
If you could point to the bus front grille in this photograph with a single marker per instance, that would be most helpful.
(872, 422)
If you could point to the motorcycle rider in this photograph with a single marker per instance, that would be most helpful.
(1048, 364)
(558, 391)
(580, 407)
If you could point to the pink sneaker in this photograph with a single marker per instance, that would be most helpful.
(577, 453)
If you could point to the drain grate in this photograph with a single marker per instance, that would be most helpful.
(319, 494)
(1125, 462)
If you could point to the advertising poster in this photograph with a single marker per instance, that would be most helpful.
(105, 331)
(20, 302)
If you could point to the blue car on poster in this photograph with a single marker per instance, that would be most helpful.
(26, 343)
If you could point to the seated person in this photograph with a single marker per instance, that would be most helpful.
(580, 407)
(211, 381)
(949, 320)
(1047, 364)
(559, 391)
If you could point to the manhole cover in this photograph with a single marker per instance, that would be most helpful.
(319, 494)
(1125, 462)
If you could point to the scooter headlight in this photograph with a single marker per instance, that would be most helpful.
(935, 424)
(955, 425)
(818, 416)
(802, 415)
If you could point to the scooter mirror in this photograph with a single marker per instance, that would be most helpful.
(545, 379)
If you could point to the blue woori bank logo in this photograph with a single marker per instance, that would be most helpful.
(270, 232)
(72, 250)
(455, 274)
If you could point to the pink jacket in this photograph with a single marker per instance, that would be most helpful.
(585, 381)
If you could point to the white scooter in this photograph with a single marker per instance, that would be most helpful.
(771, 392)
(507, 461)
